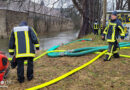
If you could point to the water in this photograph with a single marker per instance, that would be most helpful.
(47, 40)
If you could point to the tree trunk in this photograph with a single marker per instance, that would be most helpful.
(104, 13)
(85, 29)
(128, 4)
(89, 10)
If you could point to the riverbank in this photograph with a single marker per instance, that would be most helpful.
(47, 40)
(100, 75)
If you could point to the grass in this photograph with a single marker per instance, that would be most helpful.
(100, 75)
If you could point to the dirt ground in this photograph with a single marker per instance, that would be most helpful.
(100, 75)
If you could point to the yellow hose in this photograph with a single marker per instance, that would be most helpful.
(125, 48)
(36, 58)
(45, 54)
(67, 74)
(56, 51)
(125, 56)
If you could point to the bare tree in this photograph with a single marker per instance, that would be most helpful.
(104, 13)
(128, 4)
(121, 4)
(89, 10)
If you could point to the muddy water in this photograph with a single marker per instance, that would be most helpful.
(47, 40)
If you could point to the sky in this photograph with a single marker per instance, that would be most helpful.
(59, 4)
(66, 3)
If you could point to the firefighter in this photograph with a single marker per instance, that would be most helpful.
(22, 41)
(112, 32)
(4, 67)
(96, 27)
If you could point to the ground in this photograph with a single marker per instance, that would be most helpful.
(100, 75)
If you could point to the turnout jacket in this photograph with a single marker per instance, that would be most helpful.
(96, 26)
(22, 41)
(113, 30)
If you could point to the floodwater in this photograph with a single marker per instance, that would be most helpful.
(47, 40)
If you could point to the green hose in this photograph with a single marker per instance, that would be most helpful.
(82, 51)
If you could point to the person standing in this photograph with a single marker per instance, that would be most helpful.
(22, 41)
(112, 32)
(96, 27)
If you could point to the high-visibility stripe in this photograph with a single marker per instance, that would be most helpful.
(122, 31)
(25, 55)
(115, 52)
(113, 34)
(95, 26)
(16, 42)
(110, 40)
(21, 28)
(114, 24)
(27, 42)
(111, 52)
(106, 30)
(101, 26)
(35, 33)
(37, 45)
(11, 50)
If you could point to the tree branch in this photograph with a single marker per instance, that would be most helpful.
(77, 6)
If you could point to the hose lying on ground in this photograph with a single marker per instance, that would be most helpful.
(67, 74)
(81, 51)
(73, 71)
(55, 50)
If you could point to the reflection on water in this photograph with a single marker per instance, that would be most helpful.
(48, 40)
(51, 39)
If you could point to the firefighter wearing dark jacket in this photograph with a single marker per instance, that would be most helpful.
(23, 39)
(96, 27)
(113, 30)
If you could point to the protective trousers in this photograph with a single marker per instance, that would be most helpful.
(20, 68)
(96, 31)
(113, 50)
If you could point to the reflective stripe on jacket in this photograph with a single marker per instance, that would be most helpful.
(113, 30)
(96, 26)
(22, 41)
